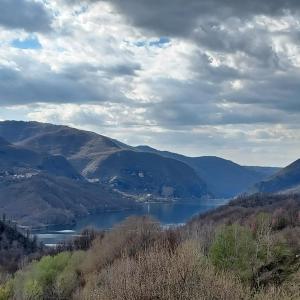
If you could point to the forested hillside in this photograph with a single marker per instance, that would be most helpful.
(248, 249)
(15, 247)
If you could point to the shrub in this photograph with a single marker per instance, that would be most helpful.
(51, 277)
(160, 274)
(6, 291)
(234, 249)
(128, 238)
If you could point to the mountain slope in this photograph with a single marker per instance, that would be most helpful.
(38, 189)
(287, 179)
(224, 178)
(93, 155)
(44, 199)
(147, 173)
(16, 160)
(80, 147)
(14, 247)
(266, 171)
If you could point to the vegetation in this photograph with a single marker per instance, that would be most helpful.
(253, 255)
(15, 248)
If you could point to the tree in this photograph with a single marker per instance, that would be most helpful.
(234, 249)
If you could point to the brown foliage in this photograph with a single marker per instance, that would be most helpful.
(161, 274)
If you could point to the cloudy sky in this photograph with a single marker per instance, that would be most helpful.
(199, 77)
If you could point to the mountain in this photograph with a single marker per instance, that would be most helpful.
(267, 171)
(49, 200)
(37, 189)
(147, 173)
(224, 178)
(286, 180)
(99, 158)
(18, 161)
(82, 148)
(134, 171)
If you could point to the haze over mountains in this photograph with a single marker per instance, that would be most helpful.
(53, 174)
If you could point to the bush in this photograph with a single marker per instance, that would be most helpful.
(6, 291)
(234, 249)
(160, 274)
(51, 277)
(128, 238)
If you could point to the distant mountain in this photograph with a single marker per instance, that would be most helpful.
(147, 173)
(224, 178)
(18, 161)
(286, 180)
(53, 174)
(100, 158)
(267, 171)
(83, 149)
(44, 199)
(39, 188)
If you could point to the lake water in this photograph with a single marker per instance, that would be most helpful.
(168, 214)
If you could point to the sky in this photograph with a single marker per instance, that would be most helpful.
(197, 77)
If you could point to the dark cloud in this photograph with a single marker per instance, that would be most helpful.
(269, 87)
(129, 69)
(25, 14)
(185, 115)
(278, 90)
(265, 96)
(181, 18)
(217, 25)
(80, 83)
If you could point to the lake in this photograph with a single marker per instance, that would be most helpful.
(168, 214)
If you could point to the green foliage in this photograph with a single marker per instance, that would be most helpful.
(52, 276)
(138, 260)
(6, 291)
(33, 290)
(281, 250)
(234, 249)
(67, 280)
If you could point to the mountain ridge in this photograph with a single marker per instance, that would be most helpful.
(18, 160)
(214, 169)
(55, 174)
(287, 180)
(88, 152)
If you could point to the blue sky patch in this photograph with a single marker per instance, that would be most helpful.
(140, 43)
(31, 42)
(161, 42)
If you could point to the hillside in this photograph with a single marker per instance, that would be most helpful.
(286, 180)
(19, 161)
(248, 249)
(99, 158)
(14, 247)
(147, 173)
(38, 189)
(267, 171)
(224, 178)
(48, 200)
(92, 155)
(80, 147)
(285, 208)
